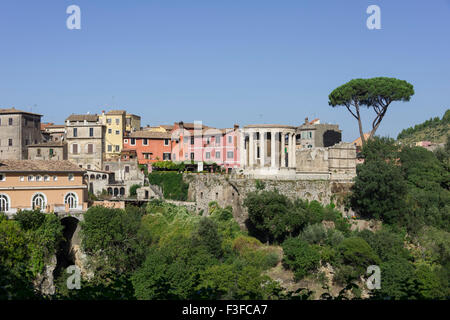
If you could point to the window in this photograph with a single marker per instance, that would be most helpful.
(217, 154)
(125, 140)
(55, 178)
(166, 156)
(38, 201)
(22, 178)
(75, 149)
(91, 132)
(133, 141)
(46, 178)
(192, 156)
(218, 140)
(108, 121)
(75, 132)
(4, 203)
(10, 121)
(166, 142)
(38, 178)
(117, 148)
(146, 156)
(72, 200)
(107, 168)
(310, 134)
(117, 132)
(10, 142)
(109, 131)
(117, 121)
(38, 152)
(30, 178)
(71, 177)
(145, 142)
(27, 142)
(230, 139)
(109, 148)
(192, 140)
(89, 167)
(230, 154)
(90, 149)
(2, 177)
(127, 169)
(208, 155)
(50, 152)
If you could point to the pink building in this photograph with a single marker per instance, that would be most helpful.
(199, 143)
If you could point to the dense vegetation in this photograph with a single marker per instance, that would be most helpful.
(172, 184)
(434, 130)
(26, 245)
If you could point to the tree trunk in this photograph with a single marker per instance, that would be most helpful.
(361, 132)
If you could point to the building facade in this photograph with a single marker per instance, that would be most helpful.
(313, 134)
(150, 146)
(115, 122)
(48, 151)
(132, 122)
(51, 186)
(18, 129)
(85, 137)
(199, 143)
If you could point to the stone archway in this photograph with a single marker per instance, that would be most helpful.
(64, 254)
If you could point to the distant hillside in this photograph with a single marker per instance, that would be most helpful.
(434, 130)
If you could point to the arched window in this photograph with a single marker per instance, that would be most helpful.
(38, 201)
(4, 203)
(72, 200)
(122, 191)
(110, 191)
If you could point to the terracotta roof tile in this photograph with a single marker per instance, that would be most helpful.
(38, 166)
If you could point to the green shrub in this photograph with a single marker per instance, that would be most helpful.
(314, 234)
(133, 190)
(171, 183)
(300, 257)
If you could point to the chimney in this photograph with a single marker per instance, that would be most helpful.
(306, 120)
(236, 126)
(181, 124)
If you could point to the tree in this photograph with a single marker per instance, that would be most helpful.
(379, 191)
(300, 257)
(376, 93)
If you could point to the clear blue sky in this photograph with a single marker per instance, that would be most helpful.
(222, 61)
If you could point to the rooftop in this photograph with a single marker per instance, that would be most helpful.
(15, 111)
(38, 166)
(269, 126)
(150, 134)
(47, 144)
(82, 117)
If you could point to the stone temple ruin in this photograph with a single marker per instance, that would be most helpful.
(277, 152)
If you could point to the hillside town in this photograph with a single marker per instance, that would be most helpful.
(55, 167)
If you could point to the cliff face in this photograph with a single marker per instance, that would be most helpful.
(232, 190)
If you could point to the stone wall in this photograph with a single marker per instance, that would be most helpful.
(231, 190)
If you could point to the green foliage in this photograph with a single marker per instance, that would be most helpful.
(434, 130)
(358, 254)
(133, 190)
(207, 235)
(259, 185)
(314, 234)
(168, 166)
(380, 148)
(30, 219)
(171, 183)
(300, 257)
(112, 236)
(379, 191)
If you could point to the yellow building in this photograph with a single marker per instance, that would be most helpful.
(115, 122)
(48, 185)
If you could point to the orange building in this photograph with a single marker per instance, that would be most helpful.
(150, 146)
(52, 186)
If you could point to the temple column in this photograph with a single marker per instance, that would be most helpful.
(294, 148)
(262, 148)
(283, 150)
(251, 156)
(272, 149)
(289, 149)
(242, 150)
